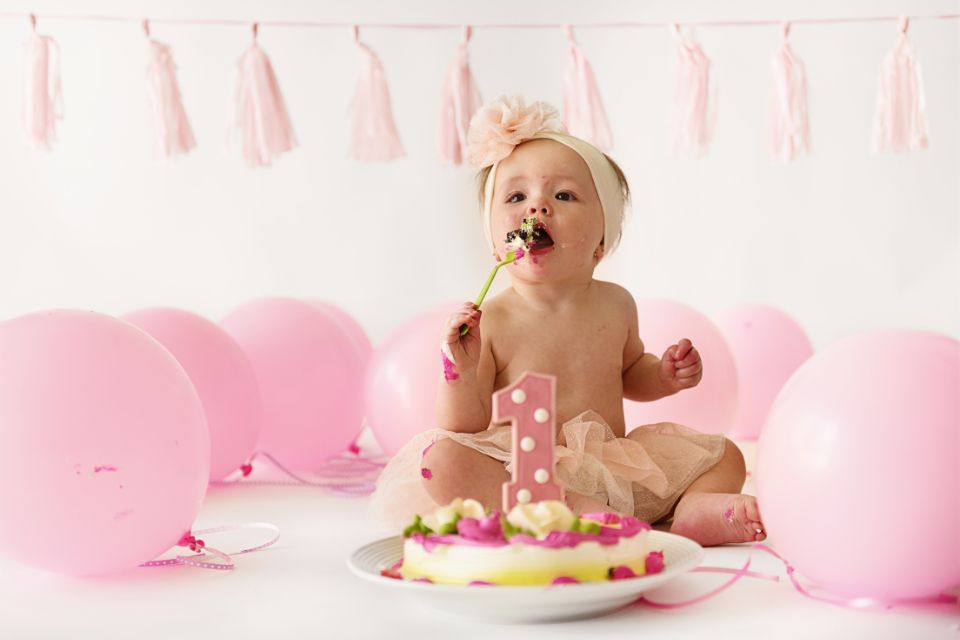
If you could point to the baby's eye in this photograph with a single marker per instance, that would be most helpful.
(516, 195)
(569, 196)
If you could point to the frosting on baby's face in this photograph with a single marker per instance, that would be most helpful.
(548, 181)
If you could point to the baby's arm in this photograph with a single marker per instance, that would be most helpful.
(463, 399)
(641, 371)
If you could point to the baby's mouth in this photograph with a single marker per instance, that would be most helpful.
(532, 234)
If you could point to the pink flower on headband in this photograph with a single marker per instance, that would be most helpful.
(503, 124)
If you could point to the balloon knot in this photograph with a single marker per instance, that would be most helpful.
(190, 541)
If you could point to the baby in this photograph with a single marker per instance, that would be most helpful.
(555, 318)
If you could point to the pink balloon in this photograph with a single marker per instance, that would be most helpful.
(768, 346)
(310, 377)
(104, 452)
(711, 406)
(401, 385)
(351, 327)
(857, 466)
(220, 373)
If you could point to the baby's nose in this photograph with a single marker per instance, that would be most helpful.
(543, 210)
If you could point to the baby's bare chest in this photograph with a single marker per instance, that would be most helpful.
(585, 354)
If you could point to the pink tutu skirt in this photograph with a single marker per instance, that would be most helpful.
(642, 475)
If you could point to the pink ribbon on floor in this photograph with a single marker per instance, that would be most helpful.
(737, 574)
(857, 603)
(191, 541)
(346, 473)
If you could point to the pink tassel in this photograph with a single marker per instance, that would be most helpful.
(461, 99)
(43, 97)
(260, 123)
(694, 112)
(790, 124)
(375, 136)
(901, 117)
(173, 133)
(583, 111)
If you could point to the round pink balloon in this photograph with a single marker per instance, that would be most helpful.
(857, 466)
(220, 373)
(104, 452)
(350, 326)
(768, 346)
(401, 385)
(711, 406)
(310, 377)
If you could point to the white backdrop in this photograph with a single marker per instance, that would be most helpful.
(843, 240)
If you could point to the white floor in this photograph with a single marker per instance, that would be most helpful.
(301, 588)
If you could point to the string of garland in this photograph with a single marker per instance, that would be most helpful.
(261, 129)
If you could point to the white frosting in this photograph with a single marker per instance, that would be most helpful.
(447, 514)
(542, 517)
(518, 396)
(541, 415)
(524, 496)
(541, 476)
(528, 444)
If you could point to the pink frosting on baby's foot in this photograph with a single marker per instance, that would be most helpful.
(718, 518)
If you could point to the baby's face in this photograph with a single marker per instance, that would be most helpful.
(550, 181)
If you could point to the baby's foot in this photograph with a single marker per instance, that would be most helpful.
(718, 518)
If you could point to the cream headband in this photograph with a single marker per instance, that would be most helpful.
(500, 126)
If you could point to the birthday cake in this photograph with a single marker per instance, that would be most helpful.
(535, 543)
(535, 538)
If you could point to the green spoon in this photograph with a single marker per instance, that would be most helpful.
(511, 257)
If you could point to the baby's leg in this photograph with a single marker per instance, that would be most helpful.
(713, 511)
(451, 470)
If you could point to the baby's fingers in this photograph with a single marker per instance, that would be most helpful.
(469, 317)
(690, 372)
(682, 349)
(689, 360)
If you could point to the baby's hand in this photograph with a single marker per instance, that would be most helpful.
(680, 367)
(464, 349)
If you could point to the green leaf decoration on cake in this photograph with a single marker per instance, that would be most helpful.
(585, 526)
(417, 527)
(508, 529)
(450, 528)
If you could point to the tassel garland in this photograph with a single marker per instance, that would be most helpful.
(172, 129)
(694, 107)
(260, 122)
(789, 120)
(375, 136)
(43, 97)
(583, 111)
(900, 123)
(460, 101)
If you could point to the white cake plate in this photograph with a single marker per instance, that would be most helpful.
(529, 603)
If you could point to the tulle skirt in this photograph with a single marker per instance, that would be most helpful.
(642, 475)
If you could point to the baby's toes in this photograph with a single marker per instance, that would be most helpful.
(757, 531)
(752, 512)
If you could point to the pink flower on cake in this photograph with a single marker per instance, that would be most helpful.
(654, 562)
(486, 529)
(501, 125)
